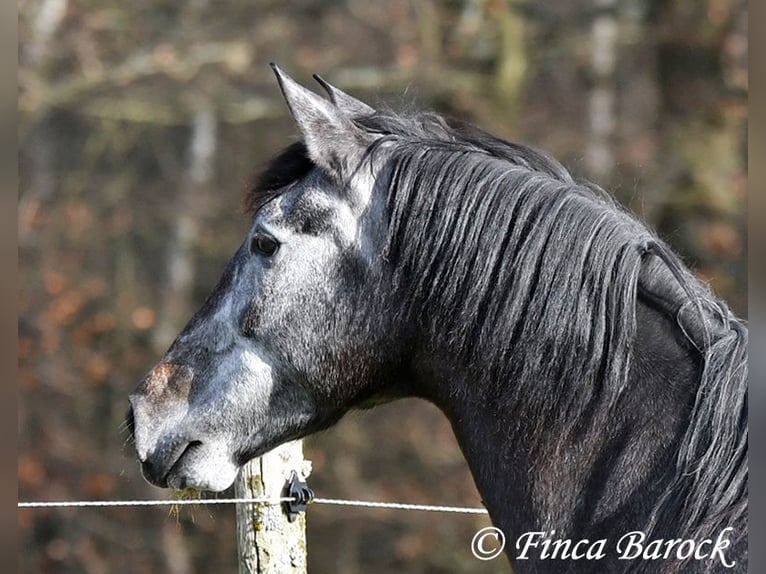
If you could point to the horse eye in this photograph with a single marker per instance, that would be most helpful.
(264, 245)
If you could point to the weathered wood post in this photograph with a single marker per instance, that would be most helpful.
(268, 542)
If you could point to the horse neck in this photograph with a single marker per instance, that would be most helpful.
(535, 474)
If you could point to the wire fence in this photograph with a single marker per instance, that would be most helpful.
(198, 501)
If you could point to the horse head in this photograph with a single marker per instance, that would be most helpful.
(283, 346)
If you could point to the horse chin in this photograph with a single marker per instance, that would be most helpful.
(203, 468)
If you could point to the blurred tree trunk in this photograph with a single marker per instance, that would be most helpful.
(44, 27)
(177, 560)
(179, 262)
(430, 33)
(41, 184)
(512, 62)
(703, 133)
(602, 121)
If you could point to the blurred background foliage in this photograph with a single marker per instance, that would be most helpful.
(141, 122)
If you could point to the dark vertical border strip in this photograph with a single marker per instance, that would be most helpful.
(8, 289)
(757, 280)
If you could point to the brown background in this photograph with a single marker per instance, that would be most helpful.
(113, 97)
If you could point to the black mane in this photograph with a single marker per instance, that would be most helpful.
(290, 165)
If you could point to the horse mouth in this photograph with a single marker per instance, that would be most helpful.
(174, 477)
(153, 469)
(202, 466)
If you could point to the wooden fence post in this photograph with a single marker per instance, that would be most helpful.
(268, 542)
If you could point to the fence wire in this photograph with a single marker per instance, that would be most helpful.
(198, 501)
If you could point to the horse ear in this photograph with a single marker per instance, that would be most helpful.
(333, 141)
(346, 103)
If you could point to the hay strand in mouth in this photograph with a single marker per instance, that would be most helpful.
(188, 493)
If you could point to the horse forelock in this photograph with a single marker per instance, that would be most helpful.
(290, 165)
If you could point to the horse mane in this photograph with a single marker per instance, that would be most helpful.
(495, 246)
(491, 239)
